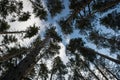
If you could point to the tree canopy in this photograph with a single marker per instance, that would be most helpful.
(76, 40)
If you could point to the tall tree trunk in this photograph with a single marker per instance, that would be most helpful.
(76, 12)
(13, 32)
(84, 11)
(79, 73)
(82, 76)
(22, 68)
(89, 69)
(89, 9)
(91, 51)
(106, 69)
(108, 5)
(35, 4)
(51, 76)
(80, 15)
(110, 72)
(45, 78)
(100, 71)
(88, 2)
(32, 66)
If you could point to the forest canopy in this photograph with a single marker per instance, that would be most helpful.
(59, 40)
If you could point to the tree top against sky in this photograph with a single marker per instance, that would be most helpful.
(80, 38)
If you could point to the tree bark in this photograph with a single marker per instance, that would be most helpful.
(80, 15)
(91, 51)
(82, 76)
(76, 12)
(84, 11)
(89, 9)
(35, 4)
(103, 8)
(110, 72)
(106, 69)
(51, 76)
(21, 69)
(89, 69)
(100, 71)
(88, 2)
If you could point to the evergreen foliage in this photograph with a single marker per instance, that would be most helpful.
(24, 16)
(43, 73)
(10, 6)
(83, 61)
(58, 68)
(4, 25)
(55, 6)
(38, 9)
(31, 31)
(112, 20)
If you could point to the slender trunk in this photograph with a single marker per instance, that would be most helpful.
(100, 71)
(91, 51)
(107, 70)
(108, 5)
(79, 73)
(88, 2)
(82, 76)
(35, 4)
(80, 15)
(109, 58)
(60, 76)
(29, 70)
(32, 66)
(45, 78)
(89, 9)
(110, 72)
(76, 12)
(21, 69)
(51, 76)
(89, 69)
(13, 32)
(84, 11)
(76, 75)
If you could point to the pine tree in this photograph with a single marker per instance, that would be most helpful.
(43, 72)
(58, 68)
(55, 6)
(84, 62)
